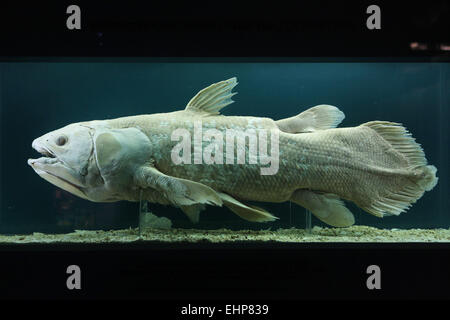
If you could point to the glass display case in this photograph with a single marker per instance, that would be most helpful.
(351, 151)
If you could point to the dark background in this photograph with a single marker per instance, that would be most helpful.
(223, 29)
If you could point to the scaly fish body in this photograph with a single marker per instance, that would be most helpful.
(241, 180)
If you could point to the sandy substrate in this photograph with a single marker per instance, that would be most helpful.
(351, 234)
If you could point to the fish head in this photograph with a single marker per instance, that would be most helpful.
(92, 160)
(66, 158)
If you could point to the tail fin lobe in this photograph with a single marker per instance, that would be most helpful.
(399, 194)
(401, 140)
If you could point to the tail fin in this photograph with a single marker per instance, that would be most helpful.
(417, 177)
(429, 180)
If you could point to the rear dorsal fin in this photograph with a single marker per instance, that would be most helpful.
(320, 117)
(213, 98)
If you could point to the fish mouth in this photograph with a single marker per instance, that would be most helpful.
(48, 154)
(42, 164)
(56, 172)
(42, 150)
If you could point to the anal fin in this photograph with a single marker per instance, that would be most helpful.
(326, 207)
(246, 212)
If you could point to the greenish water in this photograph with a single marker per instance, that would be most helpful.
(38, 97)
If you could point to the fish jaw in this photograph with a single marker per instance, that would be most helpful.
(55, 172)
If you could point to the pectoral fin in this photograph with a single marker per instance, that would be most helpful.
(107, 148)
(180, 192)
(320, 117)
(326, 207)
(247, 212)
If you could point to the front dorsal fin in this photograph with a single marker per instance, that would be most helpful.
(213, 98)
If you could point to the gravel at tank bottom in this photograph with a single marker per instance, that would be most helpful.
(317, 234)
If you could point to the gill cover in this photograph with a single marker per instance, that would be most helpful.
(75, 153)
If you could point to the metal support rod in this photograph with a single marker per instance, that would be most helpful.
(308, 222)
(143, 208)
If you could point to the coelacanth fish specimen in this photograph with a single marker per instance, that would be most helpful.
(377, 165)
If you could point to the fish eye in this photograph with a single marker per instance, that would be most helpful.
(61, 140)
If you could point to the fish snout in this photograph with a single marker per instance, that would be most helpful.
(41, 147)
(37, 146)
